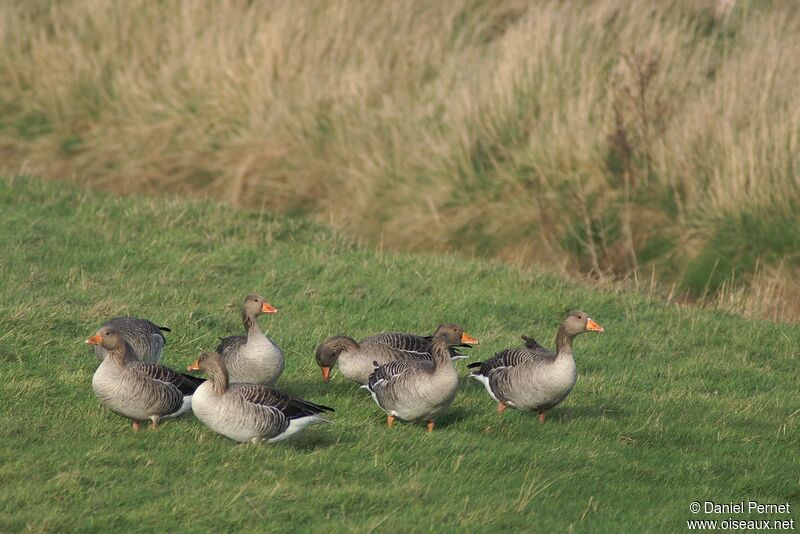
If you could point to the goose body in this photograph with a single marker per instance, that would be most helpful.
(253, 358)
(249, 412)
(531, 377)
(145, 338)
(138, 390)
(357, 359)
(419, 389)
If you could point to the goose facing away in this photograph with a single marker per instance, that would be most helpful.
(248, 412)
(145, 338)
(356, 358)
(414, 390)
(532, 377)
(138, 390)
(253, 358)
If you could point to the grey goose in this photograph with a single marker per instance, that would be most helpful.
(532, 377)
(248, 412)
(252, 358)
(138, 390)
(414, 390)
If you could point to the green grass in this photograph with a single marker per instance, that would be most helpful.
(672, 405)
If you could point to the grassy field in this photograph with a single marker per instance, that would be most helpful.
(655, 139)
(672, 405)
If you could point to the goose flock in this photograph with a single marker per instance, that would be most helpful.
(410, 377)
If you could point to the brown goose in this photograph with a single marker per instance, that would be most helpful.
(253, 358)
(532, 377)
(356, 358)
(145, 338)
(248, 412)
(419, 389)
(138, 390)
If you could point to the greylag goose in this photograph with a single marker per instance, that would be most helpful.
(138, 390)
(419, 389)
(532, 377)
(356, 358)
(248, 412)
(145, 338)
(253, 358)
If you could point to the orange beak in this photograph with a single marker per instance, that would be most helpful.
(94, 340)
(268, 308)
(468, 339)
(195, 366)
(326, 374)
(593, 326)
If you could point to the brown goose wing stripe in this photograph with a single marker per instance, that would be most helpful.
(512, 357)
(384, 353)
(230, 344)
(186, 384)
(412, 343)
(402, 341)
(291, 407)
(388, 372)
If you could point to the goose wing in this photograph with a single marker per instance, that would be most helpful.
(185, 384)
(511, 357)
(291, 407)
(231, 344)
(411, 345)
(399, 340)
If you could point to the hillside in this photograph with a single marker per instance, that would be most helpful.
(650, 140)
(672, 405)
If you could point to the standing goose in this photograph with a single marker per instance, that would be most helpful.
(248, 412)
(253, 358)
(532, 377)
(419, 389)
(138, 390)
(145, 338)
(356, 358)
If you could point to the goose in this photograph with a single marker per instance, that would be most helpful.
(419, 389)
(145, 338)
(532, 377)
(248, 412)
(253, 358)
(138, 390)
(356, 358)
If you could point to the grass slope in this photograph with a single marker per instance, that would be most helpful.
(671, 406)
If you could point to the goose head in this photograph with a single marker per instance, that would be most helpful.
(578, 322)
(451, 335)
(207, 361)
(107, 337)
(329, 350)
(212, 365)
(254, 305)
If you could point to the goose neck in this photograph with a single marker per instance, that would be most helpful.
(440, 351)
(218, 376)
(564, 342)
(250, 323)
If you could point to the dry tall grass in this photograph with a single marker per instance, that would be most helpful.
(610, 137)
